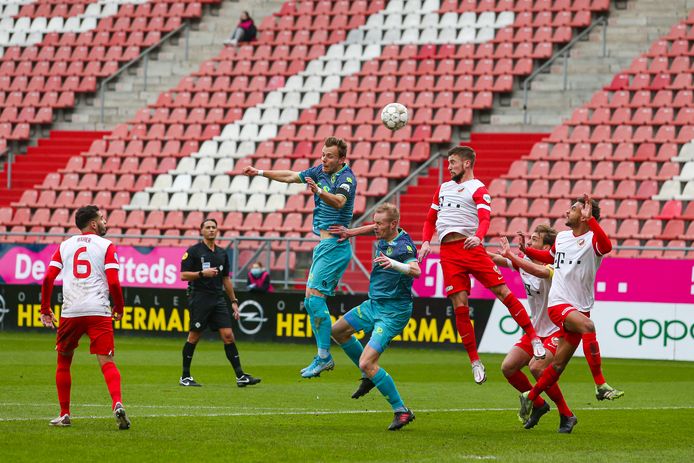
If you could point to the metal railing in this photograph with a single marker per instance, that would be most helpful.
(145, 57)
(564, 52)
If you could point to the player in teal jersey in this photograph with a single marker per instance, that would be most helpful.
(386, 312)
(334, 188)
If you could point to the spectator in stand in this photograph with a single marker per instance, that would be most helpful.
(259, 279)
(245, 31)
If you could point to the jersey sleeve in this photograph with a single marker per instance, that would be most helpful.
(407, 252)
(347, 186)
(111, 258)
(188, 262)
(601, 242)
(311, 172)
(482, 199)
(56, 260)
(225, 270)
(435, 199)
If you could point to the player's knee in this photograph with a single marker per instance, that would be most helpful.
(508, 369)
(588, 326)
(368, 366)
(536, 369)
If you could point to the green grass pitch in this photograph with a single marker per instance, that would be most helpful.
(286, 418)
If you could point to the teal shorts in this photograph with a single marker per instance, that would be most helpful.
(385, 320)
(330, 260)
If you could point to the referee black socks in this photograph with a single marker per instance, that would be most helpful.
(233, 356)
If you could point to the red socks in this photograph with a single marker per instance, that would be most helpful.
(548, 378)
(63, 382)
(466, 331)
(519, 314)
(112, 377)
(591, 350)
(522, 384)
(554, 393)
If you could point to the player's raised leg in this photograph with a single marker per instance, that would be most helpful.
(591, 350)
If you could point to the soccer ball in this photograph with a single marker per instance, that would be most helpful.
(394, 116)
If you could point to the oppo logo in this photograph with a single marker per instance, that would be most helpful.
(650, 329)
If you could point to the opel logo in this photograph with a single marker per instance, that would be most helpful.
(251, 317)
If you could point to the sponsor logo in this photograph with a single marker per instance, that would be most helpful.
(650, 329)
(487, 198)
(3, 309)
(346, 187)
(251, 317)
(449, 288)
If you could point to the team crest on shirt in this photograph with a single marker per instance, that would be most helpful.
(389, 251)
(581, 242)
(487, 198)
(461, 190)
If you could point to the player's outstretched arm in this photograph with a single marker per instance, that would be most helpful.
(601, 242)
(428, 232)
(284, 176)
(343, 233)
(498, 259)
(539, 271)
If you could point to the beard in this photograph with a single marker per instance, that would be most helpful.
(102, 230)
(457, 178)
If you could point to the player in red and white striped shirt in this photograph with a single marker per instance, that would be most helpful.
(460, 213)
(576, 255)
(91, 274)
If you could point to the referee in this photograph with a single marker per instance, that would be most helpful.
(205, 266)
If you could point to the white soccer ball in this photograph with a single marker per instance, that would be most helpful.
(394, 116)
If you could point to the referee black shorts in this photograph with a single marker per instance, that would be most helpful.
(208, 310)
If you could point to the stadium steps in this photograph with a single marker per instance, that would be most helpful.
(49, 155)
(166, 68)
(588, 72)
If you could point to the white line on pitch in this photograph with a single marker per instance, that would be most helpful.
(283, 412)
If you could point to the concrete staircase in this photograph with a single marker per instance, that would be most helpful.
(166, 67)
(633, 25)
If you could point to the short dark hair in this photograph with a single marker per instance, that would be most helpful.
(340, 143)
(548, 234)
(465, 153)
(596, 206)
(86, 214)
(208, 219)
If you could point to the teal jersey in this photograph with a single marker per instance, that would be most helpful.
(389, 283)
(342, 182)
